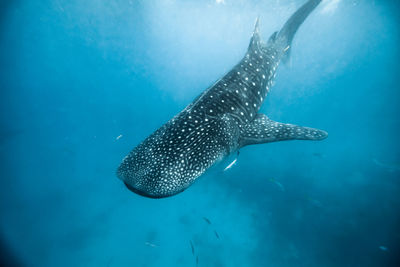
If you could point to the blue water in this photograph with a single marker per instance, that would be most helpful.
(76, 75)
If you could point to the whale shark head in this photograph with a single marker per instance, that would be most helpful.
(152, 170)
(174, 156)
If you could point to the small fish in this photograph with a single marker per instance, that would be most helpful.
(233, 162)
(207, 220)
(318, 155)
(150, 244)
(286, 49)
(315, 202)
(281, 187)
(191, 245)
(230, 165)
(388, 167)
(216, 234)
(118, 137)
(383, 248)
(197, 261)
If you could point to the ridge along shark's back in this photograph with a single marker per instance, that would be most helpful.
(220, 121)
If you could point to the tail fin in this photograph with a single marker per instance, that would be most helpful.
(286, 34)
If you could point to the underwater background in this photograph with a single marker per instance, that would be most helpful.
(83, 82)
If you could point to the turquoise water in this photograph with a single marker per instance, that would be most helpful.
(82, 83)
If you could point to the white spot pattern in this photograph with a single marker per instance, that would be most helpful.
(174, 156)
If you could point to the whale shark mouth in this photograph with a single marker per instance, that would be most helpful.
(139, 192)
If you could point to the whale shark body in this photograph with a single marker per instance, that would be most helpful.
(223, 119)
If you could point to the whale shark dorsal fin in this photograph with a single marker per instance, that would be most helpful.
(264, 130)
(272, 38)
(257, 26)
(255, 41)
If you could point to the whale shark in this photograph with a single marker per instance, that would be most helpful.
(219, 122)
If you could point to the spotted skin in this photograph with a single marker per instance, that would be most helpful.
(170, 159)
(263, 130)
(220, 121)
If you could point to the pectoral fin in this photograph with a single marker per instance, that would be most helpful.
(263, 130)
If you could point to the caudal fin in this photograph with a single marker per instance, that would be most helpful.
(286, 34)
